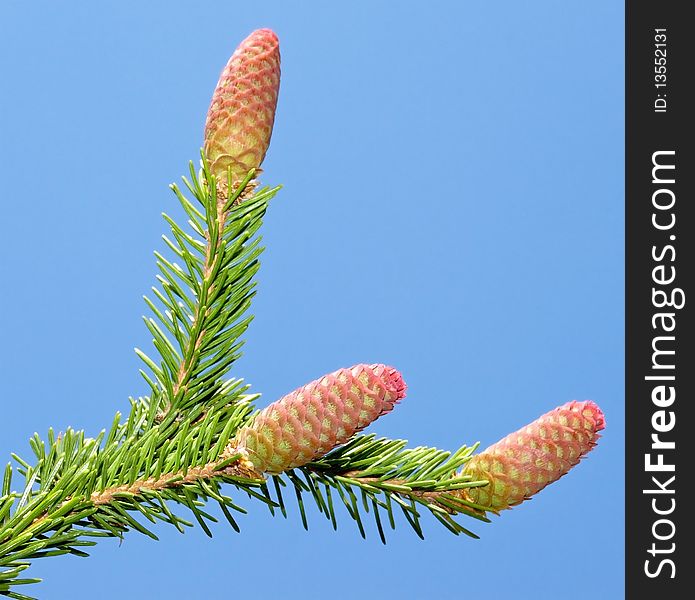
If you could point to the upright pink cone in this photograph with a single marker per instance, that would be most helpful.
(312, 420)
(241, 115)
(523, 463)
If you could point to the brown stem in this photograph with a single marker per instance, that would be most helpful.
(211, 249)
(430, 497)
(241, 468)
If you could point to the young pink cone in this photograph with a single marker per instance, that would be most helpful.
(315, 418)
(241, 115)
(523, 463)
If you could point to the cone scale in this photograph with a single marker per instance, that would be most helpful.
(317, 417)
(523, 463)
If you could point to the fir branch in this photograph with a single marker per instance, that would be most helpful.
(384, 472)
(61, 515)
(230, 466)
(182, 443)
(197, 432)
(198, 310)
(82, 488)
(174, 444)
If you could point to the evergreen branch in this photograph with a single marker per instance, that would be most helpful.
(383, 473)
(196, 432)
(198, 310)
(133, 479)
(180, 444)
(83, 488)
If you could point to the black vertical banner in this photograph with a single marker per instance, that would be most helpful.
(660, 296)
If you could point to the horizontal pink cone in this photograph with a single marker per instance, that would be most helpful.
(523, 463)
(242, 112)
(319, 416)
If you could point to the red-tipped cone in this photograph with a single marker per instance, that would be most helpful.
(523, 463)
(319, 416)
(241, 115)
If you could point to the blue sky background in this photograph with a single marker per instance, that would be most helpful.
(453, 205)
